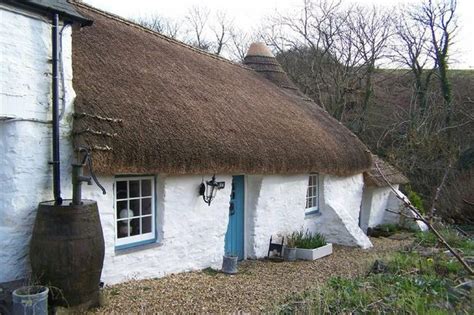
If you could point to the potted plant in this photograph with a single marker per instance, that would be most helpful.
(229, 263)
(311, 246)
(30, 300)
(289, 251)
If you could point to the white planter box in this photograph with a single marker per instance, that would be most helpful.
(312, 254)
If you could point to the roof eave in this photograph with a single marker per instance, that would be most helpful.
(70, 16)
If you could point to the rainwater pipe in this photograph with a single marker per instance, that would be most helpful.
(55, 95)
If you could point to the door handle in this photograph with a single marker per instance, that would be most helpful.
(231, 209)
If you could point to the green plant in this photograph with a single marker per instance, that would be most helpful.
(306, 240)
(451, 236)
(412, 284)
(415, 199)
(388, 227)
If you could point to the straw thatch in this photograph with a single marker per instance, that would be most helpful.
(374, 178)
(148, 104)
(260, 59)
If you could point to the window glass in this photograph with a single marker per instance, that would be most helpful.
(146, 206)
(135, 212)
(146, 188)
(312, 194)
(121, 190)
(134, 188)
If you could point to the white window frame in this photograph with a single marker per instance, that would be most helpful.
(135, 240)
(312, 192)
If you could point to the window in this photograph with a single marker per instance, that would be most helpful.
(312, 194)
(134, 211)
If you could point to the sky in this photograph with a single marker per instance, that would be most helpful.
(247, 14)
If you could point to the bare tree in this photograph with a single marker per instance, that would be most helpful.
(372, 28)
(239, 43)
(440, 19)
(413, 50)
(222, 32)
(337, 49)
(306, 43)
(197, 20)
(160, 24)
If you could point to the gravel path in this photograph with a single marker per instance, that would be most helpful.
(258, 286)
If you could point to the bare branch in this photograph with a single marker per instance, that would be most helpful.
(426, 221)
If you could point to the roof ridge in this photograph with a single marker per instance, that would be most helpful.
(162, 36)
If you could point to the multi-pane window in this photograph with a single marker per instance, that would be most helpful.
(134, 210)
(312, 194)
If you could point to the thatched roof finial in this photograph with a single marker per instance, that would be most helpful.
(259, 49)
(261, 59)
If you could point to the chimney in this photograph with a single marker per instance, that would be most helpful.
(260, 58)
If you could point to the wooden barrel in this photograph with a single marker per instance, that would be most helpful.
(67, 252)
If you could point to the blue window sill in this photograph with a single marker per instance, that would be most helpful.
(315, 213)
(135, 247)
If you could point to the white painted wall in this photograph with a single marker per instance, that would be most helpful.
(191, 234)
(340, 200)
(277, 208)
(374, 202)
(25, 176)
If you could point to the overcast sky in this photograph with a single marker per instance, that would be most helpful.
(247, 14)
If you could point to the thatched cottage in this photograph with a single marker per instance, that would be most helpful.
(161, 118)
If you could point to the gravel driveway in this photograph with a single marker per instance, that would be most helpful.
(258, 286)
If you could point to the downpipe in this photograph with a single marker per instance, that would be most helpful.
(55, 100)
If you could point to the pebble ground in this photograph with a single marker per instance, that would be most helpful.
(258, 287)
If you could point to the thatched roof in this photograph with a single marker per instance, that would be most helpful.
(149, 104)
(374, 178)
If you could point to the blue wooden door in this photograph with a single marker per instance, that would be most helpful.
(234, 238)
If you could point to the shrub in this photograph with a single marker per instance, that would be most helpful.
(415, 200)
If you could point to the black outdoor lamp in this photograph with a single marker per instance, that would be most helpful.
(208, 191)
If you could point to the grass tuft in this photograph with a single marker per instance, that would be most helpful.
(409, 283)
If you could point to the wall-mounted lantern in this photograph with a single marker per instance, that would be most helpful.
(209, 189)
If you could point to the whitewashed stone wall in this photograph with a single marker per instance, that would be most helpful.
(276, 208)
(275, 205)
(374, 202)
(25, 146)
(191, 234)
(338, 220)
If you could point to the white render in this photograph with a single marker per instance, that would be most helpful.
(25, 146)
(338, 220)
(315, 253)
(376, 200)
(190, 233)
(275, 205)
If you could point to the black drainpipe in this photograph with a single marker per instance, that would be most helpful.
(55, 90)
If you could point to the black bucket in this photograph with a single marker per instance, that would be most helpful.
(67, 252)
